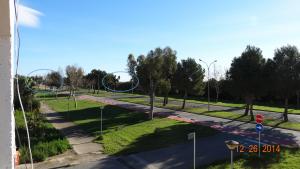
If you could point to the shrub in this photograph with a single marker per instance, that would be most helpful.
(42, 150)
(45, 140)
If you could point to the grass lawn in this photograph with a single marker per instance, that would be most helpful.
(45, 140)
(103, 93)
(125, 131)
(289, 159)
(240, 105)
(221, 114)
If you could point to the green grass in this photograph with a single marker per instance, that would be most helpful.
(221, 114)
(289, 159)
(102, 93)
(125, 131)
(148, 135)
(45, 140)
(241, 105)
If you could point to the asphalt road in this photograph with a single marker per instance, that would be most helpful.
(107, 163)
(180, 156)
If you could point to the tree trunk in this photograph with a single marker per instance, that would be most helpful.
(217, 96)
(151, 105)
(132, 86)
(98, 85)
(251, 110)
(285, 113)
(167, 98)
(247, 106)
(70, 94)
(297, 93)
(184, 98)
(164, 103)
(75, 101)
(94, 88)
(151, 99)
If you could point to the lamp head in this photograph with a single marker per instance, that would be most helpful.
(231, 144)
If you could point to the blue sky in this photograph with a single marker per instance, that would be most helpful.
(101, 33)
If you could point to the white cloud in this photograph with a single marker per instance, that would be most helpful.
(28, 17)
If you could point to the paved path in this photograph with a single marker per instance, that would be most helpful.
(81, 142)
(84, 155)
(267, 114)
(270, 135)
(270, 115)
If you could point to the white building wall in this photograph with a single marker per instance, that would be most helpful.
(7, 126)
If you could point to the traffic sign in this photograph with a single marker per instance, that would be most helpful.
(259, 118)
(259, 127)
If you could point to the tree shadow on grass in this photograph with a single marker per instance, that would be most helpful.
(166, 136)
(89, 119)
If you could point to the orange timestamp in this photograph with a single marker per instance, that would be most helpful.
(253, 148)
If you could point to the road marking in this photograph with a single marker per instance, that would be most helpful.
(254, 141)
(142, 161)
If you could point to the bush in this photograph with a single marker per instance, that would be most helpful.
(42, 150)
(45, 140)
(36, 105)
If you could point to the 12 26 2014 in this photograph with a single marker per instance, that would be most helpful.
(253, 148)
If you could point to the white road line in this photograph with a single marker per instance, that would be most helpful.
(255, 141)
(142, 161)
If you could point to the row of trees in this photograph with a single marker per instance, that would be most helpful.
(158, 71)
(250, 76)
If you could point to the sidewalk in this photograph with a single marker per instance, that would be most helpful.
(270, 135)
(84, 150)
(81, 142)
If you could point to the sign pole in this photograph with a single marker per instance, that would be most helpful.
(231, 161)
(259, 127)
(194, 150)
(259, 144)
(193, 136)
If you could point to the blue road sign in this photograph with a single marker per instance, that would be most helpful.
(259, 127)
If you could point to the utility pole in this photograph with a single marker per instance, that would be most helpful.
(7, 122)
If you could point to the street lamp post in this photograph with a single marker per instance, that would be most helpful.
(231, 144)
(208, 66)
